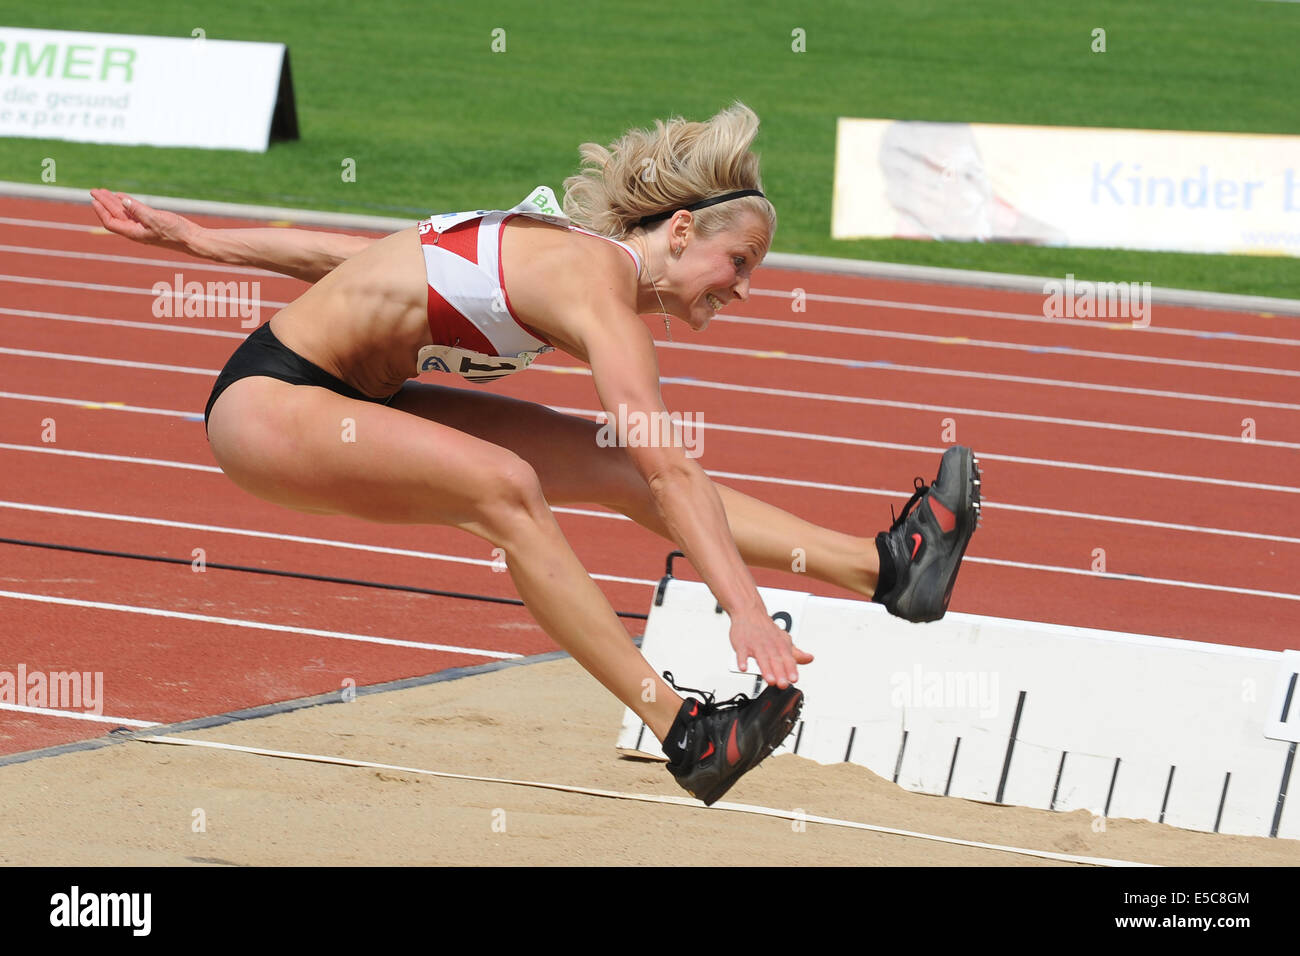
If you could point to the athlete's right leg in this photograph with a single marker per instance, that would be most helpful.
(286, 443)
(575, 469)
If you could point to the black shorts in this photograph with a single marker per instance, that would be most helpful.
(263, 354)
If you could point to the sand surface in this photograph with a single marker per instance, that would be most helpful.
(138, 804)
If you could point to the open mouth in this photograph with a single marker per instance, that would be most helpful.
(714, 302)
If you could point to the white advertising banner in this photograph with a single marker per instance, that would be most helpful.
(132, 90)
(1135, 189)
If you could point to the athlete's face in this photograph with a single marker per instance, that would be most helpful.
(712, 272)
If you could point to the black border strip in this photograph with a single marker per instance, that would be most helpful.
(1011, 746)
(1290, 693)
(1223, 798)
(1281, 790)
(1056, 787)
(122, 734)
(952, 767)
(1114, 775)
(302, 575)
(1169, 785)
(898, 764)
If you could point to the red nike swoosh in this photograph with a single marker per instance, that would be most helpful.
(694, 710)
(707, 752)
(916, 547)
(733, 748)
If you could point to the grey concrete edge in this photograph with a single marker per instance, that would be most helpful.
(122, 734)
(775, 260)
(305, 217)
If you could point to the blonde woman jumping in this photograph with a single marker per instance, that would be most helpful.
(479, 295)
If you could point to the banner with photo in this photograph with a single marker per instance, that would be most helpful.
(1062, 186)
(144, 90)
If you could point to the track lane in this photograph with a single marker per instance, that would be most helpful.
(1084, 599)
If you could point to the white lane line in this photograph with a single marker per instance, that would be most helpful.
(121, 323)
(888, 366)
(50, 224)
(721, 806)
(830, 486)
(195, 416)
(124, 363)
(972, 412)
(758, 390)
(100, 456)
(1132, 578)
(965, 341)
(1173, 433)
(101, 406)
(776, 323)
(893, 495)
(1106, 325)
(802, 436)
(879, 365)
(1094, 324)
(135, 290)
(984, 456)
(177, 265)
(987, 505)
(78, 715)
(298, 539)
(277, 536)
(253, 625)
(953, 373)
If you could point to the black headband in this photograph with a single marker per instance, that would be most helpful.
(702, 204)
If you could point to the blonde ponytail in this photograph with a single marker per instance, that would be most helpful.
(669, 168)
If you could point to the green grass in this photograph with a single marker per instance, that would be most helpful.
(436, 121)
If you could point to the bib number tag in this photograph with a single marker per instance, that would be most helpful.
(472, 366)
(540, 204)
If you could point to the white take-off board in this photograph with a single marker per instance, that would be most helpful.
(1196, 735)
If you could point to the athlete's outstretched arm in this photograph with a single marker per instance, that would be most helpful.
(620, 350)
(300, 253)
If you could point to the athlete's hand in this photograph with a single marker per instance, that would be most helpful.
(132, 219)
(760, 637)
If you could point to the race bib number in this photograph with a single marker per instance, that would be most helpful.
(472, 366)
(540, 204)
(544, 201)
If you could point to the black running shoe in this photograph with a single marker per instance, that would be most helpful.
(721, 742)
(927, 541)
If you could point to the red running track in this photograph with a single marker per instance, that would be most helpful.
(1096, 439)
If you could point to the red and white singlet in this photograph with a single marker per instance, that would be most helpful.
(475, 332)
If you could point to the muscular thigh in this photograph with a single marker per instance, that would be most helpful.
(572, 466)
(314, 450)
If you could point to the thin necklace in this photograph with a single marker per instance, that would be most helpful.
(655, 285)
(664, 312)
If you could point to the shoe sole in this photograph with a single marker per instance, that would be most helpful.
(970, 513)
(785, 724)
(973, 521)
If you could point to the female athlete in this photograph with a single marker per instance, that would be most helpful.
(667, 222)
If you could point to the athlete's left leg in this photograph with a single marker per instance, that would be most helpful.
(574, 469)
